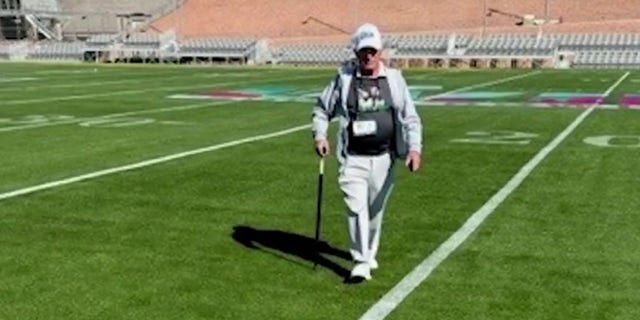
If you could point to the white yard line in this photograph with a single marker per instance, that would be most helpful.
(110, 70)
(146, 163)
(397, 294)
(484, 84)
(89, 74)
(138, 80)
(48, 85)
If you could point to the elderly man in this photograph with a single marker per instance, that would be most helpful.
(378, 125)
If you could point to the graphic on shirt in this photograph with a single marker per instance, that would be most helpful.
(370, 99)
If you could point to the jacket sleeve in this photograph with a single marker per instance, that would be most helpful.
(325, 109)
(411, 120)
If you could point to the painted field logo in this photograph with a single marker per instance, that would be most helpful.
(569, 98)
(267, 93)
(474, 96)
(420, 92)
(292, 94)
(425, 95)
(631, 101)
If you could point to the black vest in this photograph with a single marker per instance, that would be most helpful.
(375, 107)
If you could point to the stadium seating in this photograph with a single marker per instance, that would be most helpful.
(5, 51)
(311, 54)
(596, 41)
(418, 44)
(590, 50)
(608, 59)
(14, 50)
(283, 29)
(428, 45)
(54, 50)
(100, 16)
(611, 50)
(7, 5)
(49, 6)
(142, 41)
(511, 45)
(216, 46)
(102, 39)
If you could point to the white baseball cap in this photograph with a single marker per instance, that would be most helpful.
(367, 36)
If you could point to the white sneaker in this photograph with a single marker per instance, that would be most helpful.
(373, 264)
(361, 271)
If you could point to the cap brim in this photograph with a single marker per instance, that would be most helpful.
(369, 44)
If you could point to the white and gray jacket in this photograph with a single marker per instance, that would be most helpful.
(333, 103)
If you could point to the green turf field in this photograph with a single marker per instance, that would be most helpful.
(167, 192)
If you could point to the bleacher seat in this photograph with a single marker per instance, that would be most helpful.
(99, 16)
(216, 46)
(53, 50)
(512, 45)
(312, 54)
(50, 6)
(142, 41)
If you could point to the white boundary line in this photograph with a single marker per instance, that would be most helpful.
(146, 163)
(397, 294)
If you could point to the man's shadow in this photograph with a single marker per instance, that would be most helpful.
(292, 244)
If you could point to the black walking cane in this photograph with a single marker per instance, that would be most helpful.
(319, 211)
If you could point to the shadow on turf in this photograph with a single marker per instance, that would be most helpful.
(292, 244)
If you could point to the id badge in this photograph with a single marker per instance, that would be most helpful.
(364, 128)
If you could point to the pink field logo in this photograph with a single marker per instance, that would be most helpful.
(631, 101)
(569, 98)
(270, 93)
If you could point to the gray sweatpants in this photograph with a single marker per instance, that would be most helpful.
(366, 182)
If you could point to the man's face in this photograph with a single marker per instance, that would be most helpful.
(368, 57)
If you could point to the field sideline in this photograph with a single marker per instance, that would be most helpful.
(189, 193)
